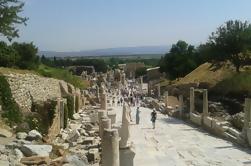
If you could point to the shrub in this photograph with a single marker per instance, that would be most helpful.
(77, 104)
(10, 107)
(65, 115)
(70, 106)
(51, 110)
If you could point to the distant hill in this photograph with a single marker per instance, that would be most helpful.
(110, 51)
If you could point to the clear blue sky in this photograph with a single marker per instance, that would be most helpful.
(73, 25)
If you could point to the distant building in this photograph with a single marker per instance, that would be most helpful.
(153, 73)
(130, 69)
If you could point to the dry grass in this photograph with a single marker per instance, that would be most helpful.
(209, 73)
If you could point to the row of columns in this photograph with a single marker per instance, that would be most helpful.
(114, 138)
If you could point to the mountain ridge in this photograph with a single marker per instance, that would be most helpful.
(161, 49)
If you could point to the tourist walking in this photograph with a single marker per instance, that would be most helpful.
(153, 118)
(137, 115)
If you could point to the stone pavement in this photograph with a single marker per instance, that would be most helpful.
(175, 143)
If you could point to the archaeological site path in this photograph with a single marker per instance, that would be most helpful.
(175, 143)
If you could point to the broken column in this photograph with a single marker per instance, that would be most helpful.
(181, 105)
(101, 114)
(191, 100)
(103, 101)
(105, 124)
(112, 116)
(125, 128)
(205, 103)
(110, 148)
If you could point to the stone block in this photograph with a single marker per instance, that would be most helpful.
(89, 140)
(196, 119)
(73, 136)
(234, 132)
(217, 127)
(207, 121)
(36, 150)
(93, 155)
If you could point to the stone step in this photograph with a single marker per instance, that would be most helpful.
(230, 136)
(233, 131)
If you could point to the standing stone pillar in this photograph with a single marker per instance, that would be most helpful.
(166, 99)
(181, 105)
(205, 103)
(110, 148)
(141, 83)
(158, 90)
(149, 88)
(103, 101)
(105, 124)
(191, 100)
(125, 128)
(101, 114)
(61, 112)
(247, 117)
(112, 116)
(83, 101)
(123, 78)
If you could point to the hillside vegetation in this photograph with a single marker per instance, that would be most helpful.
(62, 74)
(46, 71)
(221, 79)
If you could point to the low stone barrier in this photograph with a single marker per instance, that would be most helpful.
(196, 119)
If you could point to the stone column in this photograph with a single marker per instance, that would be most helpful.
(83, 101)
(61, 111)
(166, 99)
(158, 90)
(247, 117)
(205, 103)
(181, 105)
(141, 82)
(105, 124)
(123, 78)
(112, 116)
(110, 148)
(125, 128)
(191, 100)
(149, 88)
(101, 114)
(103, 101)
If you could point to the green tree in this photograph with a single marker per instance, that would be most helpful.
(140, 72)
(181, 60)
(8, 56)
(231, 41)
(9, 17)
(28, 55)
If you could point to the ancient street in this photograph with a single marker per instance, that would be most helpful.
(175, 142)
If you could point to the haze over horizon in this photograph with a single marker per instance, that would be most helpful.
(61, 25)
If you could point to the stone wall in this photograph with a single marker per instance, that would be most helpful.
(32, 93)
(28, 88)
